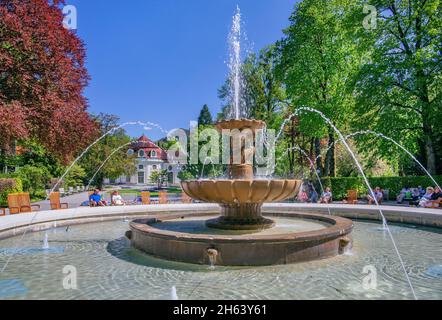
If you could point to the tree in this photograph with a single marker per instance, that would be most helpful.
(42, 79)
(205, 118)
(400, 87)
(159, 177)
(318, 59)
(118, 141)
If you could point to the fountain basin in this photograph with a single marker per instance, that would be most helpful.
(252, 249)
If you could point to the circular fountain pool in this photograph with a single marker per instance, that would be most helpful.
(107, 267)
(295, 237)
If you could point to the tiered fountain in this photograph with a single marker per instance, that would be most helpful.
(244, 234)
(241, 235)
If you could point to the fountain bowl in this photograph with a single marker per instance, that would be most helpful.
(241, 200)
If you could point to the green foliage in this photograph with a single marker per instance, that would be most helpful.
(187, 174)
(9, 185)
(340, 186)
(35, 179)
(205, 117)
(399, 88)
(75, 177)
(159, 177)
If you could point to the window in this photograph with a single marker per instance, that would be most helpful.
(170, 168)
(141, 153)
(140, 167)
(130, 152)
(141, 177)
(153, 154)
(154, 168)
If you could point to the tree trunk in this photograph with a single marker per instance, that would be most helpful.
(330, 160)
(429, 147)
(317, 153)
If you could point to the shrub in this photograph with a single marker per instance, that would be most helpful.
(7, 186)
(340, 186)
(34, 179)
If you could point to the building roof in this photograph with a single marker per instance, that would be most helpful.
(145, 144)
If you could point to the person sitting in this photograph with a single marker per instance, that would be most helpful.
(405, 194)
(313, 194)
(327, 196)
(117, 199)
(421, 191)
(426, 201)
(436, 198)
(95, 199)
(303, 197)
(376, 197)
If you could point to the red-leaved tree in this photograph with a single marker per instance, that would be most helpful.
(42, 78)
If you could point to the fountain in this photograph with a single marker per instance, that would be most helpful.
(244, 234)
(241, 232)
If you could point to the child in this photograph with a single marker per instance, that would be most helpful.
(326, 196)
(117, 199)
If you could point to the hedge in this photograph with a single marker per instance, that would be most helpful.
(7, 186)
(340, 186)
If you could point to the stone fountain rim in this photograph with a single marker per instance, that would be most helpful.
(339, 227)
(242, 123)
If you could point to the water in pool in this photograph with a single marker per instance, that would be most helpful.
(108, 268)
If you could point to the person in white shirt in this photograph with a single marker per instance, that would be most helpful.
(117, 199)
(377, 194)
(327, 196)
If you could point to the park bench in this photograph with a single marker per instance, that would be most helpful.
(352, 197)
(2, 212)
(56, 203)
(25, 203)
(145, 198)
(162, 197)
(13, 203)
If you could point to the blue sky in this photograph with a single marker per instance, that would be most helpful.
(161, 60)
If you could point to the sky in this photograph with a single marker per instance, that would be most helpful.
(162, 60)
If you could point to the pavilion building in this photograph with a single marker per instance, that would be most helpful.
(149, 158)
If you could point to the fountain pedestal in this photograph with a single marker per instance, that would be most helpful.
(246, 216)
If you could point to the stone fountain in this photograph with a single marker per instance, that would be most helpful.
(241, 236)
(246, 233)
(241, 196)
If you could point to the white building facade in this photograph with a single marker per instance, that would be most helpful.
(149, 158)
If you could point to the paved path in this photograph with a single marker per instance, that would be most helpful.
(74, 201)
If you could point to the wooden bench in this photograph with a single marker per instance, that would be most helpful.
(162, 197)
(352, 197)
(56, 204)
(25, 203)
(13, 203)
(145, 198)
